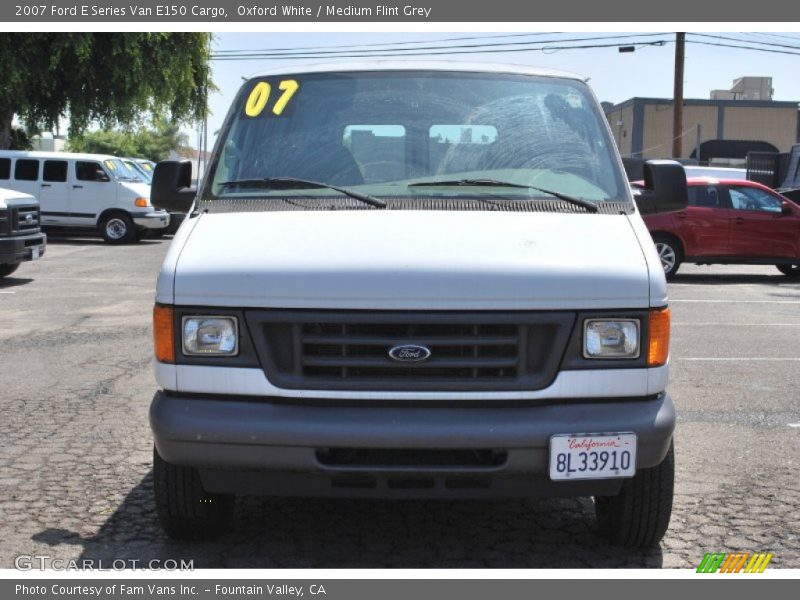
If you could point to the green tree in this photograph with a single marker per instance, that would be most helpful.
(111, 78)
(154, 142)
(117, 143)
(20, 139)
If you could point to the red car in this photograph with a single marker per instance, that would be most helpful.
(729, 221)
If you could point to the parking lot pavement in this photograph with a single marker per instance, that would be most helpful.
(75, 457)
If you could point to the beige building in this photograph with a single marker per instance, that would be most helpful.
(722, 130)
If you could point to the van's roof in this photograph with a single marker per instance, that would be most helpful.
(417, 65)
(61, 155)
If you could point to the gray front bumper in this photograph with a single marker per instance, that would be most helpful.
(152, 220)
(263, 446)
(21, 248)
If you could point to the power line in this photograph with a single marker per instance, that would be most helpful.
(400, 45)
(383, 44)
(450, 49)
(777, 35)
(723, 45)
(458, 49)
(494, 48)
(723, 37)
(412, 48)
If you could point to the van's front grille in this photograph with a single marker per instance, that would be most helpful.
(25, 219)
(410, 351)
(19, 220)
(361, 350)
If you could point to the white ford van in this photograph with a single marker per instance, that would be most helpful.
(80, 191)
(422, 280)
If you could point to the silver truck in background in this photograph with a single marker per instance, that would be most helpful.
(21, 237)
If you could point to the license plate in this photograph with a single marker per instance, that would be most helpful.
(34, 253)
(592, 456)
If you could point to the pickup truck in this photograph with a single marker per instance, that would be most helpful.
(21, 237)
(414, 280)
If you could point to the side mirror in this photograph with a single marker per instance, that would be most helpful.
(664, 188)
(171, 187)
(786, 208)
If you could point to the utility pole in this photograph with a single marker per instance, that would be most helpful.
(677, 96)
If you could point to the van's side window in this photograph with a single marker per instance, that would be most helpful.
(5, 168)
(55, 171)
(26, 169)
(90, 171)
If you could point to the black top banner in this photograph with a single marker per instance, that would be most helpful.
(477, 11)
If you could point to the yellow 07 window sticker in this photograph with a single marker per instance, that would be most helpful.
(259, 97)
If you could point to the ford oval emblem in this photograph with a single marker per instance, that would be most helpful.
(409, 353)
(29, 218)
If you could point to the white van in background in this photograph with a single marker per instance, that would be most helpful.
(78, 191)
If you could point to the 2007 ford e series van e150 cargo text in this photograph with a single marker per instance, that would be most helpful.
(415, 280)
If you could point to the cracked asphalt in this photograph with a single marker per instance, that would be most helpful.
(75, 446)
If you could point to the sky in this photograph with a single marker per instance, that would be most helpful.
(614, 76)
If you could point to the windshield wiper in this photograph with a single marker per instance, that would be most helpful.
(590, 206)
(293, 183)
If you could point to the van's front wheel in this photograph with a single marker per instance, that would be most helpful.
(639, 515)
(186, 511)
(117, 228)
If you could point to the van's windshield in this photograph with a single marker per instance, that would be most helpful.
(136, 168)
(411, 134)
(121, 171)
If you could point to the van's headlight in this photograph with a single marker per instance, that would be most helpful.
(208, 335)
(611, 338)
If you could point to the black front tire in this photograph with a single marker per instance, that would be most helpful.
(669, 253)
(117, 228)
(185, 510)
(639, 515)
(792, 271)
(8, 269)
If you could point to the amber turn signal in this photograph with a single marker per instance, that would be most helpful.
(658, 344)
(142, 202)
(164, 333)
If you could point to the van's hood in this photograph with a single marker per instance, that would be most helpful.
(375, 259)
(142, 190)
